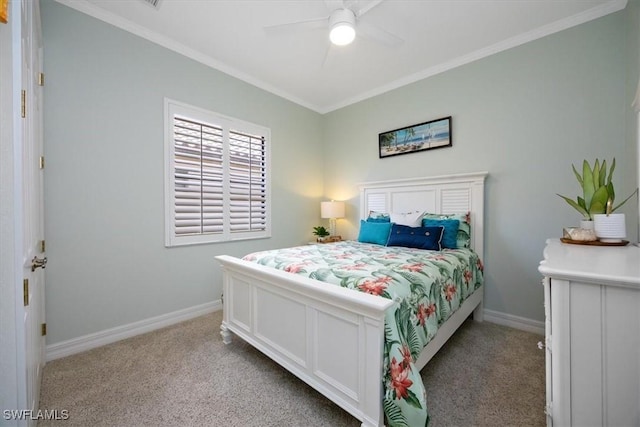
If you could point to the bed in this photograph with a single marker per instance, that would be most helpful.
(333, 337)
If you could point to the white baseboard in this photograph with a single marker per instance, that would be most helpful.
(87, 342)
(516, 322)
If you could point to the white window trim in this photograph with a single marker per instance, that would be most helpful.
(171, 108)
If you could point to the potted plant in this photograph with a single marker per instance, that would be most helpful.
(321, 233)
(598, 193)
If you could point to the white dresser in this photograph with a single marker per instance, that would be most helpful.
(592, 310)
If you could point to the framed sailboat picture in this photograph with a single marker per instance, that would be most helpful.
(420, 137)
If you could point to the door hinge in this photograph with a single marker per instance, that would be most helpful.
(42, 246)
(43, 329)
(23, 104)
(41, 162)
(25, 292)
(41, 79)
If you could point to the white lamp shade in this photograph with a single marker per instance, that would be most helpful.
(332, 209)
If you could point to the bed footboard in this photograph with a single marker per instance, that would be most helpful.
(330, 337)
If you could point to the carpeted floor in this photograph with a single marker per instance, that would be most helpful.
(183, 375)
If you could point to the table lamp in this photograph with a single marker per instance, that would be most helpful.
(332, 210)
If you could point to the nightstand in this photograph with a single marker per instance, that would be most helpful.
(331, 239)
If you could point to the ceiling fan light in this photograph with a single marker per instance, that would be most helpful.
(343, 27)
(342, 34)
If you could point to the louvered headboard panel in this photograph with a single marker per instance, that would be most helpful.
(440, 194)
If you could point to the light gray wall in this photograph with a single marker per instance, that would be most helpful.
(104, 175)
(524, 115)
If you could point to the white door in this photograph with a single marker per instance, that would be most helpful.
(32, 201)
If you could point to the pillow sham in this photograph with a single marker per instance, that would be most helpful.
(416, 237)
(379, 219)
(375, 216)
(464, 227)
(374, 232)
(450, 233)
(410, 219)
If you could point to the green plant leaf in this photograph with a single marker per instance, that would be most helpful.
(578, 176)
(596, 174)
(581, 203)
(576, 206)
(320, 231)
(599, 201)
(624, 201)
(603, 173)
(588, 187)
(613, 167)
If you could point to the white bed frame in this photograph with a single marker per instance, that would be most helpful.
(331, 337)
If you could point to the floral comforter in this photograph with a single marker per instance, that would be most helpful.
(428, 287)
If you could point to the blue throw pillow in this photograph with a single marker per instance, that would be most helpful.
(464, 229)
(374, 232)
(450, 233)
(416, 237)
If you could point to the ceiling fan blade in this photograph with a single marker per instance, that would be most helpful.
(334, 4)
(326, 55)
(366, 8)
(307, 24)
(378, 34)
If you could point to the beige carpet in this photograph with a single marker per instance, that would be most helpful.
(183, 375)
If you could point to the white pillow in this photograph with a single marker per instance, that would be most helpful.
(410, 219)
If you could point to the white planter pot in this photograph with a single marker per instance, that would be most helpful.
(586, 224)
(610, 228)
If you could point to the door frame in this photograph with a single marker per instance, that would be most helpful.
(13, 361)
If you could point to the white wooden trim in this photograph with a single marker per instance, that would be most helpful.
(201, 115)
(250, 293)
(155, 37)
(108, 336)
(516, 322)
(430, 193)
(12, 358)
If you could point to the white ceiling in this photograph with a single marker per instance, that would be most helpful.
(229, 35)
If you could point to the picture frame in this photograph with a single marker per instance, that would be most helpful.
(4, 11)
(420, 137)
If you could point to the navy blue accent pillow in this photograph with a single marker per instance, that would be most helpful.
(374, 232)
(416, 237)
(450, 233)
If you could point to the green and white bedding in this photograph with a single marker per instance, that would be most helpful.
(427, 286)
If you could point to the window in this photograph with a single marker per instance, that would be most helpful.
(216, 177)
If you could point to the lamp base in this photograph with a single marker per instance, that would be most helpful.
(332, 226)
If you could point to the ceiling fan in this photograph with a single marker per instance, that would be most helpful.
(344, 20)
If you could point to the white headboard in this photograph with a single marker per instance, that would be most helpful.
(438, 194)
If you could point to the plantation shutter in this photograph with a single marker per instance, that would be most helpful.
(217, 179)
(198, 177)
(247, 185)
